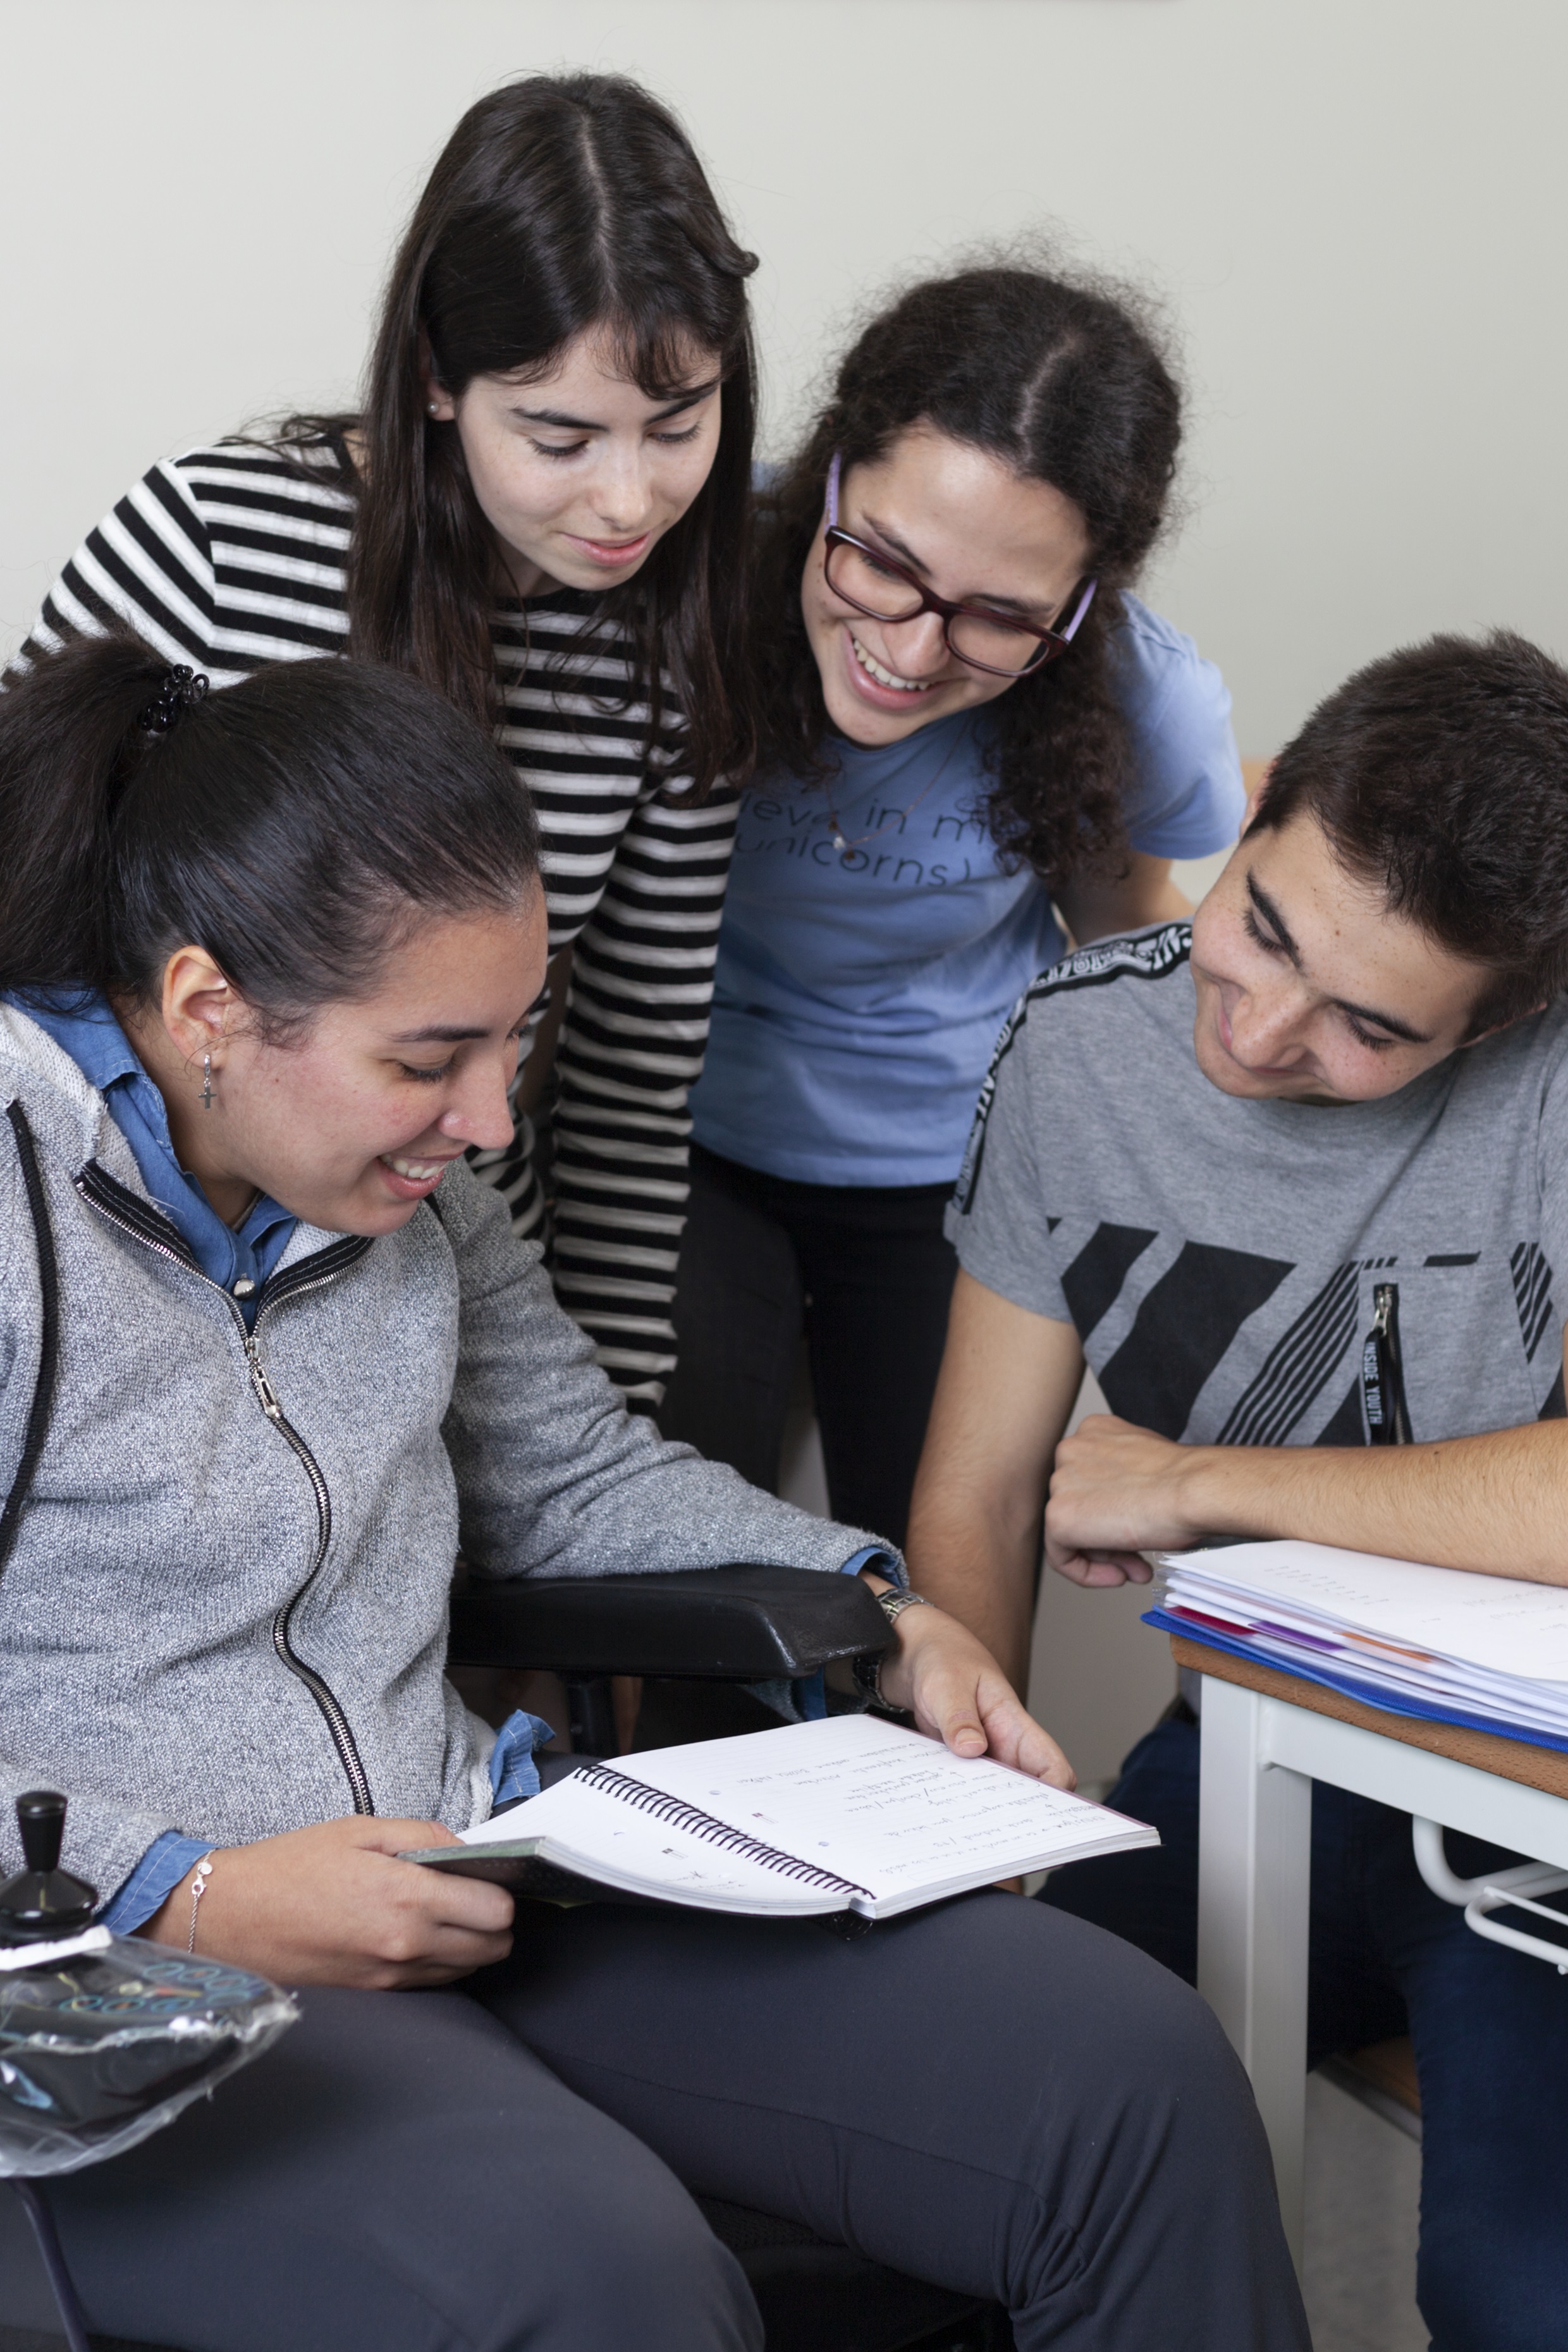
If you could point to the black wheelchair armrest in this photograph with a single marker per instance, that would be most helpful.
(746, 1623)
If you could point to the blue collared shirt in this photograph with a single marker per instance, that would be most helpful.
(104, 1054)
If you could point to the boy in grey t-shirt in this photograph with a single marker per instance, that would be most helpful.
(1222, 1260)
(1293, 1180)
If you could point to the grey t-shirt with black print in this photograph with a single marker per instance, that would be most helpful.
(1222, 1260)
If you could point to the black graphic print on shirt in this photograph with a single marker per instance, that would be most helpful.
(1183, 1328)
(1220, 1346)
(1295, 1370)
(1094, 1279)
(1532, 1292)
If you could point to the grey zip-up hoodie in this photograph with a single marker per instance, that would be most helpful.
(225, 1611)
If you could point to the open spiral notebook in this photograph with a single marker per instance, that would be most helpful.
(853, 1814)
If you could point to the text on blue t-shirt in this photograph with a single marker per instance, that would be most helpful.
(859, 990)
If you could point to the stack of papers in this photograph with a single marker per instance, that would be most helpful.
(1490, 1652)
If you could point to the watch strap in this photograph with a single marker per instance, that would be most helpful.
(867, 1669)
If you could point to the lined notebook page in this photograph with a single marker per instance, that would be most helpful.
(581, 1827)
(880, 1805)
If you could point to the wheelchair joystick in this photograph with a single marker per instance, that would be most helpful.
(43, 1903)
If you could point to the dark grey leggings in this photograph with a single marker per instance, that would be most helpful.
(990, 2095)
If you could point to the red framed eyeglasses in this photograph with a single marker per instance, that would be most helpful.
(998, 643)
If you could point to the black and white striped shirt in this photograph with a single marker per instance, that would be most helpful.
(230, 557)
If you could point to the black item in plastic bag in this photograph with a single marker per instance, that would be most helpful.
(103, 2047)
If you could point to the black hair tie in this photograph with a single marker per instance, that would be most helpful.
(181, 690)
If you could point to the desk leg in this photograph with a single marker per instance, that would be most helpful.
(1254, 1883)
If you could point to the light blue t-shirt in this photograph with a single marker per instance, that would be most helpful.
(859, 991)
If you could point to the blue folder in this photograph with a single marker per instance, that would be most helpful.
(1351, 1687)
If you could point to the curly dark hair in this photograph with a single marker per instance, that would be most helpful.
(1065, 380)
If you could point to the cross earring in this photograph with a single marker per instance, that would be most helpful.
(207, 1082)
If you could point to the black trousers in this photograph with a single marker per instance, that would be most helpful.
(867, 1273)
(988, 2096)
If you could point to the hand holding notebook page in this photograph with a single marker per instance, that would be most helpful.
(851, 1814)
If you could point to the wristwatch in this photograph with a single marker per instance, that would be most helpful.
(867, 1669)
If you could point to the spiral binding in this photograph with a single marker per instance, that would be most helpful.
(682, 1816)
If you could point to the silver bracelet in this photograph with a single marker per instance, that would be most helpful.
(199, 1877)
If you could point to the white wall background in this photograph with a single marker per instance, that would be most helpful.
(1354, 207)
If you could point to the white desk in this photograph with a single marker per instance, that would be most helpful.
(1266, 1738)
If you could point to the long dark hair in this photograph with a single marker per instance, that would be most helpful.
(559, 205)
(1065, 383)
(295, 826)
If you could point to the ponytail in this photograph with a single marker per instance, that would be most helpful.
(65, 755)
(294, 826)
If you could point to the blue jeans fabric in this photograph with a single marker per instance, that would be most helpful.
(1490, 2029)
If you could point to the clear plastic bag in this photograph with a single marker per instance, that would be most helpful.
(98, 2049)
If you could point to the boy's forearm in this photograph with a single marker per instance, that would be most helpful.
(1495, 1503)
(1498, 1503)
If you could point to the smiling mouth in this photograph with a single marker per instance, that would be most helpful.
(886, 676)
(416, 1172)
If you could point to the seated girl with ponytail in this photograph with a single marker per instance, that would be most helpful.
(265, 955)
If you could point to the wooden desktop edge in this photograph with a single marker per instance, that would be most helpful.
(1508, 1759)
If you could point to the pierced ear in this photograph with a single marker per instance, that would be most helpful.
(196, 1003)
(440, 405)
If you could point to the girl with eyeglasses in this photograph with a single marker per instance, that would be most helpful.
(976, 740)
(540, 509)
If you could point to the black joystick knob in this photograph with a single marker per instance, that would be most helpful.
(41, 1818)
(43, 1903)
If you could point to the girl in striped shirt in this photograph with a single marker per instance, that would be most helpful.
(541, 510)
